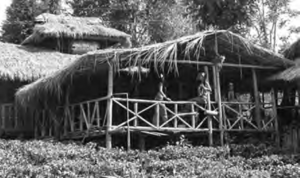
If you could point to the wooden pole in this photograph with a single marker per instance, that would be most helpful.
(274, 106)
(257, 101)
(219, 100)
(210, 126)
(136, 113)
(175, 119)
(109, 107)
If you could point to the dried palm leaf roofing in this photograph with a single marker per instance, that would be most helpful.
(293, 73)
(28, 63)
(58, 26)
(198, 47)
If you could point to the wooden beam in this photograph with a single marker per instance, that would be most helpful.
(219, 100)
(109, 107)
(224, 64)
(210, 126)
(257, 99)
(274, 105)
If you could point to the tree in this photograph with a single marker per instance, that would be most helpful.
(20, 17)
(220, 14)
(272, 16)
(148, 21)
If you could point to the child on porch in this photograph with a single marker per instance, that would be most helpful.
(160, 96)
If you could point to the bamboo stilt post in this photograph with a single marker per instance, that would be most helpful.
(72, 119)
(35, 124)
(277, 138)
(193, 116)
(219, 100)
(89, 119)
(142, 142)
(98, 114)
(81, 118)
(136, 112)
(257, 101)
(128, 126)
(175, 119)
(210, 126)
(3, 117)
(108, 136)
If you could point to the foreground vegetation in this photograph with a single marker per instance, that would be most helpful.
(54, 159)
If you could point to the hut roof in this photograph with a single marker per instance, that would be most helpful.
(57, 26)
(199, 47)
(29, 63)
(293, 73)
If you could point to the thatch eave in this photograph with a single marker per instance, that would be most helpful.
(24, 63)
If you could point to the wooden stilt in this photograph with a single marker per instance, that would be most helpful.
(109, 107)
(3, 118)
(210, 126)
(219, 100)
(142, 142)
(257, 101)
(274, 107)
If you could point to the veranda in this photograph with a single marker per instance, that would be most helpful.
(117, 112)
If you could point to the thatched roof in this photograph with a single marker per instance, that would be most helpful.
(59, 26)
(293, 51)
(165, 56)
(28, 63)
(291, 74)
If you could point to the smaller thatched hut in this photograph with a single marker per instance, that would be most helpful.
(78, 35)
(20, 65)
(290, 75)
(289, 80)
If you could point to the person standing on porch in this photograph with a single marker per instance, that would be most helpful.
(203, 89)
(160, 96)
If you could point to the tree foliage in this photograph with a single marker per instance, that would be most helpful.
(148, 21)
(220, 14)
(271, 17)
(20, 17)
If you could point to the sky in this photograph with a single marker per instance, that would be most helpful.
(294, 5)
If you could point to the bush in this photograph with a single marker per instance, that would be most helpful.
(54, 159)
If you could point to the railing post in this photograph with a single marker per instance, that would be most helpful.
(175, 119)
(274, 107)
(108, 136)
(157, 115)
(3, 117)
(72, 119)
(193, 116)
(136, 113)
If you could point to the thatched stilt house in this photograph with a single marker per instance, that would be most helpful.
(75, 34)
(20, 65)
(94, 96)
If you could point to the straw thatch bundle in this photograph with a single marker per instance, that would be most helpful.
(163, 56)
(29, 63)
(62, 26)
